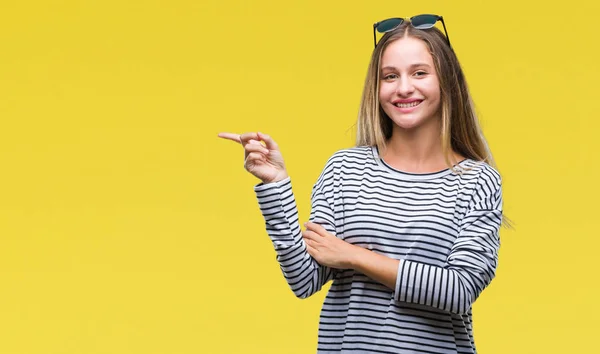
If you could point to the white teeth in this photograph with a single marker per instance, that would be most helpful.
(407, 105)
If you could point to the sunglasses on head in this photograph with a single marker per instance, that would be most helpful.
(419, 22)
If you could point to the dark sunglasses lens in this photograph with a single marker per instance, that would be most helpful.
(424, 21)
(389, 24)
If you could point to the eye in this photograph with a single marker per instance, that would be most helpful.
(390, 77)
(420, 73)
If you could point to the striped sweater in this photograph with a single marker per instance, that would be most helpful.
(442, 227)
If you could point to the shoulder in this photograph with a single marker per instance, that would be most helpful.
(358, 153)
(485, 183)
(350, 157)
(481, 172)
(350, 160)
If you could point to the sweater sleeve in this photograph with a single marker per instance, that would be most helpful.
(471, 264)
(278, 207)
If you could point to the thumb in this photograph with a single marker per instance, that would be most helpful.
(271, 144)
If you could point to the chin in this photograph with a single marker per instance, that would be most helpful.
(408, 124)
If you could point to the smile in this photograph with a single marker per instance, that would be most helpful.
(408, 105)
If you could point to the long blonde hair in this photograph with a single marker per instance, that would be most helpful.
(460, 131)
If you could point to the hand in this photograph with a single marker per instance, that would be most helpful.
(263, 161)
(327, 249)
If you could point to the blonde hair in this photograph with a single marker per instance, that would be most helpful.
(460, 129)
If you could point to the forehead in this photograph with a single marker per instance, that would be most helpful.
(405, 52)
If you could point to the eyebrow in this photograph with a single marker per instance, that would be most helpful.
(390, 67)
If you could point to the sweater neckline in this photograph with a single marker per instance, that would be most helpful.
(411, 175)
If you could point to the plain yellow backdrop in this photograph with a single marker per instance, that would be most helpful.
(127, 226)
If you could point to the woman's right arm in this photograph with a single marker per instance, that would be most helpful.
(278, 207)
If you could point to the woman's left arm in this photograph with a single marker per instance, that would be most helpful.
(469, 268)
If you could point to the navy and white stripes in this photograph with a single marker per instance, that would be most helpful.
(443, 227)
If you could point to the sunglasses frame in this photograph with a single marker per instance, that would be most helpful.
(410, 20)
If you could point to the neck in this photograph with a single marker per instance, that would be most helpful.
(418, 150)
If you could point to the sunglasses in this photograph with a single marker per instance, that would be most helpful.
(419, 22)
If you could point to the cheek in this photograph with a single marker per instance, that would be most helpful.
(437, 102)
(434, 89)
(385, 91)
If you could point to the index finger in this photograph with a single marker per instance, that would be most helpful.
(315, 228)
(311, 235)
(231, 136)
(246, 137)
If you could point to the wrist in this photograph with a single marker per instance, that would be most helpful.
(280, 177)
(356, 257)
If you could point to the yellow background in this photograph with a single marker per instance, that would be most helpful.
(127, 226)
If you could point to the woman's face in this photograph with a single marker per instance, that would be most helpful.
(409, 90)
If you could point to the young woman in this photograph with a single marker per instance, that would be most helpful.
(406, 223)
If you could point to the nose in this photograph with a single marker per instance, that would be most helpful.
(405, 86)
